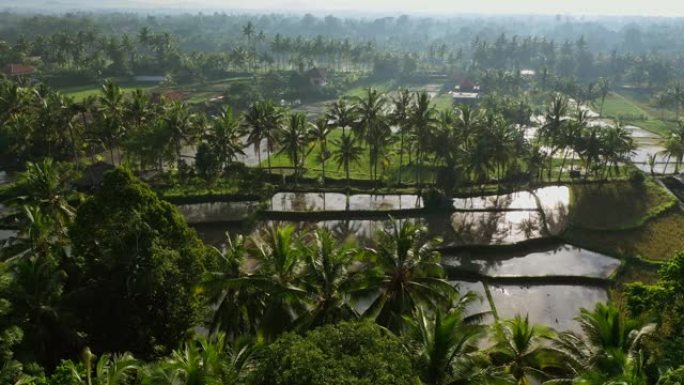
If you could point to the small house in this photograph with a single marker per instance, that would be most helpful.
(466, 92)
(18, 70)
(318, 77)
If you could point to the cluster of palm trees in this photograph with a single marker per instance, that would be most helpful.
(392, 133)
(283, 280)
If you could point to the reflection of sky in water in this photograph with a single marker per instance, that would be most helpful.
(216, 211)
(549, 197)
(554, 306)
(302, 202)
(564, 260)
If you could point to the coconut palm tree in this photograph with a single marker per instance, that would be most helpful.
(467, 123)
(400, 117)
(293, 138)
(520, 348)
(611, 345)
(423, 121)
(373, 126)
(341, 114)
(281, 262)
(405, 274)
(346, 154)
(110, 126)
(178, 127)
(604, 90)
(330, 280)
(224, 136)
(262, 120)
(551, 131)
(318, 132)
(446, 344)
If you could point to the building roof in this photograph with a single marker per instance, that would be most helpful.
(18, 69)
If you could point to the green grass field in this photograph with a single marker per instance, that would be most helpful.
(82, 92)
(618, 205)
(636, 110)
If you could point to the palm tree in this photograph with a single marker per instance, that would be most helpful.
(293, 139)
(372, 126)
(109, 369)
(263, 120)
(447, 344)
(400, 117)
(610, 346)
(423, 120)
(280, 259)
(341, 114)
(604, 90)
(551, 131)
(674, 146)
(224, 136)
(347, 153)
(43, 186)
(467, 123)
(110, 126)
(330, 279)
(406, 273)
(520, 348)
(177, 125)
(319, 132)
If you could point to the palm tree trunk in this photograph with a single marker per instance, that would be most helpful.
(401, 155)
(560, 172)
(268, 152)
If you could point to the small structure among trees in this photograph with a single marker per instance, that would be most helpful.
(318, 77)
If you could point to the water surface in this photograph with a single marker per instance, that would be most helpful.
(563, 260)
(554, 306)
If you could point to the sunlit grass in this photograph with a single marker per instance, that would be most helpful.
(618, 205)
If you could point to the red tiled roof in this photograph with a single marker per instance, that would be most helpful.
(18, 69)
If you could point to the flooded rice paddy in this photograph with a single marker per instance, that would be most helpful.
(479, 221)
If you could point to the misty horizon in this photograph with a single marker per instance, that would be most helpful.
(582, 8)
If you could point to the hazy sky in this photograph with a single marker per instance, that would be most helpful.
(586, 7)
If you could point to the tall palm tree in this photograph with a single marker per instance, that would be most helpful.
(423, 121)
(347, 153)
(406, 274)
(224, 135)
(293, 139)
(520, 348)
(373, 126)
(110, 126)
(467, 123)
(400, 117)
(319, 132)
(604, 90)
(263, 120)
(341, 114)
(551, 131)
(179, 127)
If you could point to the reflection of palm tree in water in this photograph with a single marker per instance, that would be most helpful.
(345, 229)
(529, 226)
(477, 227)
(556, 220)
